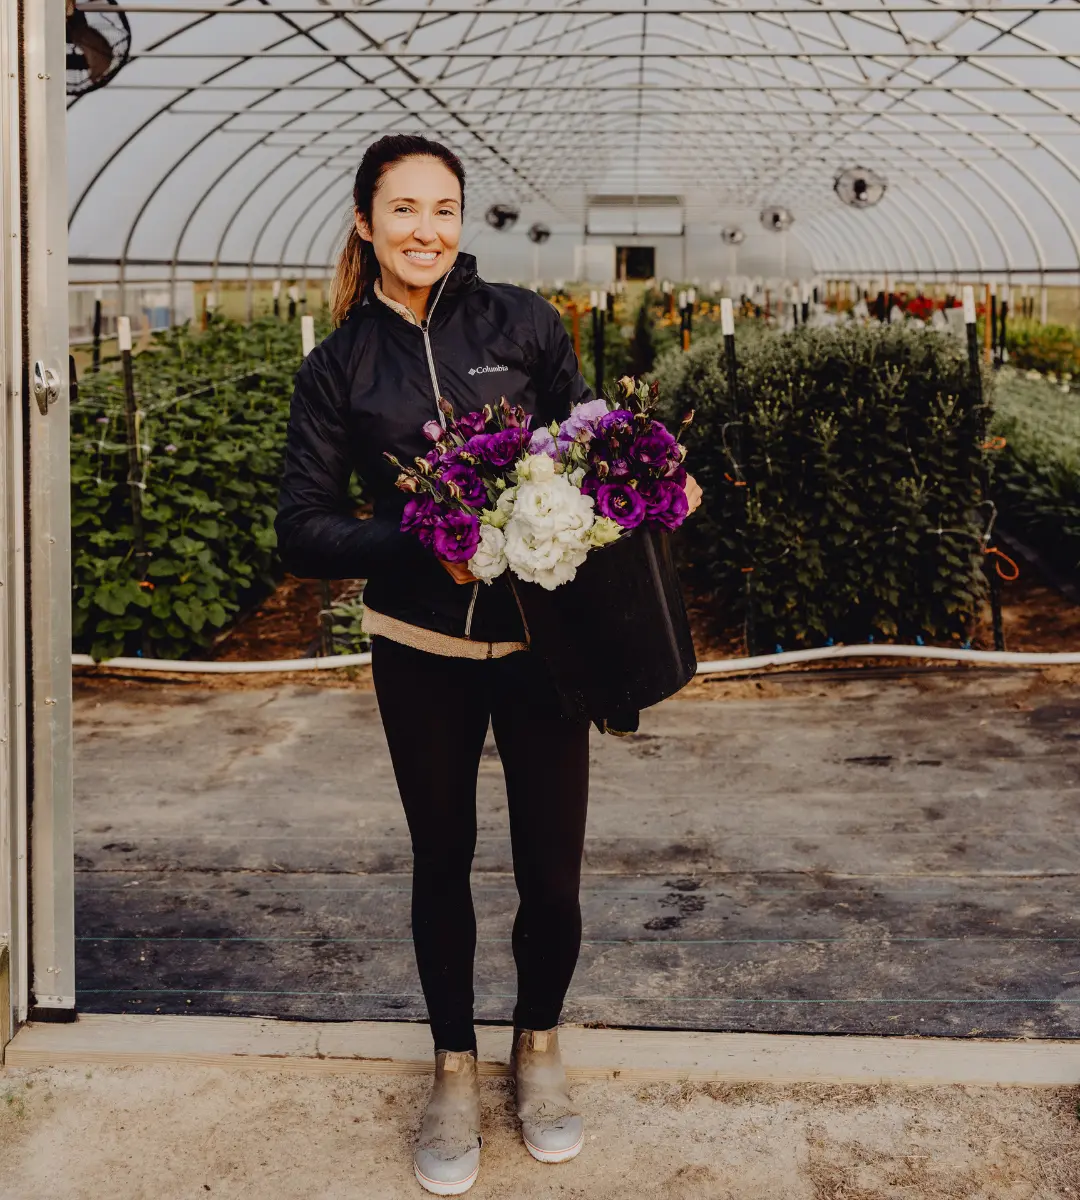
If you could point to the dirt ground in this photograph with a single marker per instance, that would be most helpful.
(172, 1133)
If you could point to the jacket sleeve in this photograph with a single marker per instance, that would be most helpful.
(318, 536)
(561, 384)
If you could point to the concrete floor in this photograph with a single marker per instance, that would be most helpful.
(176, 1133)
(873, 853)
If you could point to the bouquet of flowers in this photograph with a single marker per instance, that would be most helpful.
(497, 495)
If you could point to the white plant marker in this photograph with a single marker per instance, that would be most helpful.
(969, 304)
(727, 317)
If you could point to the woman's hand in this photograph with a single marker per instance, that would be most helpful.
(693, 493)
(458, 571)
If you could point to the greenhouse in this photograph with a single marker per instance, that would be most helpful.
(830, 249)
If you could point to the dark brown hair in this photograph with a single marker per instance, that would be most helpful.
(357, 265)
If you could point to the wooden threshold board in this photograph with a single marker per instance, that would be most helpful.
(631, 1055)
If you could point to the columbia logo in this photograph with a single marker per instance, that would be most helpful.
(487, 370)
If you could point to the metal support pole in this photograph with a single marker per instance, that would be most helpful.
(97, 334)
(1003, 318)
(131, 414)
(982, 426)
(598, 302)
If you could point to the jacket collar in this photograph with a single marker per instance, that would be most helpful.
(461, 279)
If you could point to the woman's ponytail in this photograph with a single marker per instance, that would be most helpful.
(352, 274)
(357, 265)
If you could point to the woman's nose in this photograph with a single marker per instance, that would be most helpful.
(425, 228)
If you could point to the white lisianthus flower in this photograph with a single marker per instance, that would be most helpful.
(489, 560)
(535, 468)
(604, 531)
(547, 535)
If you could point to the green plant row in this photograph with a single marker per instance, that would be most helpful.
(213, 411)
(1049, 348)
(1037, 473)
(860, 453)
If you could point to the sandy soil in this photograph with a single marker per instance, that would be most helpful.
(166, 1133)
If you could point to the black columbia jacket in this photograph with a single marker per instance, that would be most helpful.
(369, 388)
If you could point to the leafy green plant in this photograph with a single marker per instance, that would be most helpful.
(213, 411)
(1037, 347)
(854, 505)
(1037, 475)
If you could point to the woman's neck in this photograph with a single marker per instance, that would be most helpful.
(415, 299)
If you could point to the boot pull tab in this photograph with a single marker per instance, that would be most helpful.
(540, 1040)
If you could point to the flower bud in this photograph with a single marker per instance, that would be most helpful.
(626, 386)
(408, 483)
(423, 466)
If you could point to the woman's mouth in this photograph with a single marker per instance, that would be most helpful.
(422, 257)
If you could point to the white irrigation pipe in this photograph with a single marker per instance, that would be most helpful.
(724, 666)
(333, 662)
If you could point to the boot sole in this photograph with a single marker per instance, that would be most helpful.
(444, 1189)
(554, 1156)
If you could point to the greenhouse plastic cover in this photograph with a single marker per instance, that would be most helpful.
(229, 141)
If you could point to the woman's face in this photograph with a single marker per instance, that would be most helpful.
(415, 221)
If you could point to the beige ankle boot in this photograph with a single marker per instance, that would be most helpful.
(550, 1127)
(447, 1154)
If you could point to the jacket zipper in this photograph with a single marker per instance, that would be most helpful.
(424, 324)
(472, 607)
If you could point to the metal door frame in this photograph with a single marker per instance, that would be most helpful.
(37, 911)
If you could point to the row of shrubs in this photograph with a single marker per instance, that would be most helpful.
(862, 513)
(842, 483)
(1037, 477)
(214, 408)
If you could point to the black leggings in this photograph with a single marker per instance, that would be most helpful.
(435, 711)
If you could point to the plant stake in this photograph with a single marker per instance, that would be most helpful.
(727, 325)
(982, 426)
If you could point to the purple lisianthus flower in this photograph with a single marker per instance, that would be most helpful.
(621, 503)
(466, 479)
(433, 431)
(617, 423)
(542, 442)
(471, 423)
(503, 448)
(675, 472)
(420, 517)
(665, 502)
(655, 448)
(582, 419)
(456, 536)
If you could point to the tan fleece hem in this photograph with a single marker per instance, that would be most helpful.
(378, 624)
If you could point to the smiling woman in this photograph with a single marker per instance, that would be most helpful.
(420, 336)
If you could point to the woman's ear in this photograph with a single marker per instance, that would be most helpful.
(363, 229)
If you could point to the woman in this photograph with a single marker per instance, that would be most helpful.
(416, 323)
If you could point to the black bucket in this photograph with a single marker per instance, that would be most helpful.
(616, 639)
